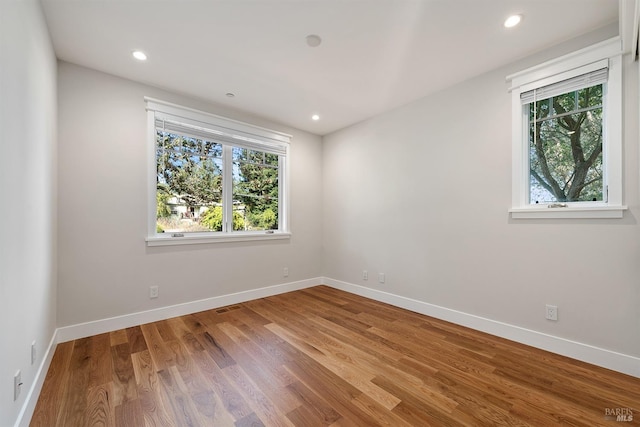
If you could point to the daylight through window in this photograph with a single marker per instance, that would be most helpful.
(565, 145)
(567, 136)
(189, 183)
(214, 176)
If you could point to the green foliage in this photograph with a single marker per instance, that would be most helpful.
(267, 220)
(257, 187)
(212, 219)
(238, 221)
(190, 168)
(162, 208)
(566, 147)
(159, 229)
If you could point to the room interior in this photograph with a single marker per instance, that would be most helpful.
(396, 178)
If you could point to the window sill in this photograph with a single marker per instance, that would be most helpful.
(209, 239)
(569, 212)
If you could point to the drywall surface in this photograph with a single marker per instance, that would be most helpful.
(105, 267)
(27, 197)
(422, 194)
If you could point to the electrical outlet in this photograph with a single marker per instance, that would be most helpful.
(17, 385)
(33, 353)
(365, 275)
(285, 272)
(381, 277)
(551, 312)
(153, 292)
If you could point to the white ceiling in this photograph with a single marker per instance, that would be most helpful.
(375, 54)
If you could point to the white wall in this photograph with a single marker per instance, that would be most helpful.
(105, 267)
(27, 197)
(421, 193)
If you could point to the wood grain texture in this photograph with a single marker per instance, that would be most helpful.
(321, 357)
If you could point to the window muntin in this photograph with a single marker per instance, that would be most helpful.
(566, 147)
(214, 179)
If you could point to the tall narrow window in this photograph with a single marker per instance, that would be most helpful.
(567, 136)
(214, 179)
(566, 141)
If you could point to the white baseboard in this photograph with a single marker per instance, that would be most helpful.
(626, 364)
(82, 330)
(601, 357)
(24, 417)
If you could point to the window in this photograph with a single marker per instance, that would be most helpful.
(565, 140)
(213, 179)
(567, 136)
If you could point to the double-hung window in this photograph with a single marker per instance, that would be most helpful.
(213, 179)
(567, 136)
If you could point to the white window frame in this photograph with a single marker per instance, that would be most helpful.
(225, 131)
(605, 54)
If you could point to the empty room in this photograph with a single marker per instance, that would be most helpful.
(319, 213)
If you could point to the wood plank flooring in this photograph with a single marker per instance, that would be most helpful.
(322, 357)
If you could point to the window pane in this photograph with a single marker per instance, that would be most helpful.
(541, 110)
(255, 190)
(590, 97)
(565, 149)
(189, 183)
(563, 103)
(212, 149)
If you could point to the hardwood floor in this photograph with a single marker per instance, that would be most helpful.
(321, 357)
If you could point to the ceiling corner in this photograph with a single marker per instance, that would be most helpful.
(628, 21)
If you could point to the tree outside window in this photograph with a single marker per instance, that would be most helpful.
(190, 174)
(565, 147)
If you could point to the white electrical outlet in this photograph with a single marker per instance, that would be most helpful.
(381, 277)
(153, 292)
(17, 385)
(551, 312)
(33, 353)
(365, 275)
(285, 272)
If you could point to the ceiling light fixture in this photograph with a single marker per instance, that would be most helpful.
(512, 21)
(313, 40)
(230, 94)
(315, 117)
(139, 55)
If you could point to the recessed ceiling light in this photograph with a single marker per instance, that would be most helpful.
(139, 55)
(315, 117)
(512, 21)
(313, 40)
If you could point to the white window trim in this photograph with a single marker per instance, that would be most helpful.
(243, 129)
(203, 238)
(582, 61)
